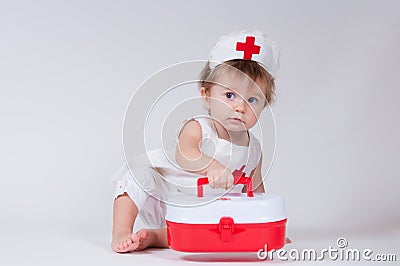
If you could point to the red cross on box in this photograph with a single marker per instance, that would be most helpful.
(248, 47)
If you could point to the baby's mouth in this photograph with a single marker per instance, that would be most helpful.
(237, 119)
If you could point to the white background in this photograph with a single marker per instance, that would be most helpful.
(69, 68)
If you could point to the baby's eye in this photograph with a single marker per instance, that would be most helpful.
(230, 95)
(252, 100)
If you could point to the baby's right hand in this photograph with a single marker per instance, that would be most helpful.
(219, 176)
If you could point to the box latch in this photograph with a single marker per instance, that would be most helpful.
(226, 225)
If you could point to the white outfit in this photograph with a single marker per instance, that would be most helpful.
(154, 184)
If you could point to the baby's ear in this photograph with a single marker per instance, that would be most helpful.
(206, 97)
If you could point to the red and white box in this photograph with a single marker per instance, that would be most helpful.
(236, 222)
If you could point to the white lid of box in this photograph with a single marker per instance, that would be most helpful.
(261, 208)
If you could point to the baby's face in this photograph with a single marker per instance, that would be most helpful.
(236, 102)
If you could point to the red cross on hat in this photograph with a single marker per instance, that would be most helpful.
(248, 47)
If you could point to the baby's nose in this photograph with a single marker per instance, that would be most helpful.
(239, 106)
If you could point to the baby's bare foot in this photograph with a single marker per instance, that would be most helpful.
(142, 239)
(123, 242)
(145, 238)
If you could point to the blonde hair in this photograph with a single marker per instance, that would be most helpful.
(251, 68)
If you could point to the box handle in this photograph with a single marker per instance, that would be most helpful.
(238, 178)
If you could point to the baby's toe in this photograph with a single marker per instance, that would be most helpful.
(143, 234)
(127, 243)
(134, 238)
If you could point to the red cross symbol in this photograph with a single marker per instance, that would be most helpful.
(248, 47)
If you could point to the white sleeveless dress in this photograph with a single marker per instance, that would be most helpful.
(153, 185)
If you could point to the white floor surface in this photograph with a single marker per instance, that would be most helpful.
(38, 248)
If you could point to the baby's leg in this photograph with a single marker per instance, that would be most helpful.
(124, 216)
(123, 238)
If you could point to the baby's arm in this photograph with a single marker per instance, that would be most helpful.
(192, 159)
(257, 178)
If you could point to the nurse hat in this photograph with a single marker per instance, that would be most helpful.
(246, 45)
